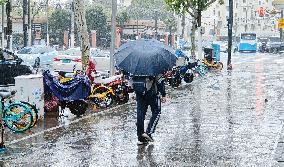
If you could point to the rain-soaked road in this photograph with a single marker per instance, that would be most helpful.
(223, 119)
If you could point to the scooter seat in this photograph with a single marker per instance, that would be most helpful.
(107, 80)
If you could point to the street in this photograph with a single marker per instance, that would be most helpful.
(225, 119)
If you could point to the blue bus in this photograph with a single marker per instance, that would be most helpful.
(248, 42)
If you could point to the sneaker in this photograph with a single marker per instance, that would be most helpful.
(142, 141)
(148, 137)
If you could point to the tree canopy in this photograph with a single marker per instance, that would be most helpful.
(190, 6)
(59, 21)
(97, 20)
(122, 18)
(3, 2)
(148, 9)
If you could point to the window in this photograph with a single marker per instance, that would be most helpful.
(247, 36)
(244, 1)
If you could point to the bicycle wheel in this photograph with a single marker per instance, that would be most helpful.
(34, 112)
(201, 70)
(220, 66)
(18, 117)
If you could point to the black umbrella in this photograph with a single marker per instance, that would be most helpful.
(145, 57)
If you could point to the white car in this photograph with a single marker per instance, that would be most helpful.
(40, 55)
(70, 60)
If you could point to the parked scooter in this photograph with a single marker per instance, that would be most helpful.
(263, 48)
(71, 94)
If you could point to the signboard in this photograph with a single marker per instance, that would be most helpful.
(278, 4)
(281, 23)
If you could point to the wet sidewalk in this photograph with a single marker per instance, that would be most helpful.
(221, 120)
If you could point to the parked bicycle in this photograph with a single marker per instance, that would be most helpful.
(16, 115)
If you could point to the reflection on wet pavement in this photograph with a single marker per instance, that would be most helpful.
(224, 119)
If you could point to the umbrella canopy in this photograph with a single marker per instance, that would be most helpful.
(145, 57)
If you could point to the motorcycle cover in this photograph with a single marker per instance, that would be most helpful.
(75, 89)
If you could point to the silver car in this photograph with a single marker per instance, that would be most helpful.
(37, 55)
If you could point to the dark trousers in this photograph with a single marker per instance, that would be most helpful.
(143, 101)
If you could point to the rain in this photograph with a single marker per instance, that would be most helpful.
(78, 76)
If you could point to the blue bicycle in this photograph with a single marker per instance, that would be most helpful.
(15, 115)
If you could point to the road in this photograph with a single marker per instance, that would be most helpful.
(222, 119)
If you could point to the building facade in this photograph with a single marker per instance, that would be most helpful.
(247, 18)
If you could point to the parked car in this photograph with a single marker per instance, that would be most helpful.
(11, 67)
(70, 60)
(273, 45)
(37, 55)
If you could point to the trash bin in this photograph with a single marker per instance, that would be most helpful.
(30, 89)
(216, 55)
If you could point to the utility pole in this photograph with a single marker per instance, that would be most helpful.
(25, 20)
(3, 34)
(72, 25)
(113, 27)
(230, 33)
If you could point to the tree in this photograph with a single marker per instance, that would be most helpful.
(59, 21)
(2, 2)
(122, 18)
(195, 9)
(97, 20)
(80, 17)
(171, 24)
(149, 10)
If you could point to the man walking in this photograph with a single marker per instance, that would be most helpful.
(152, 96)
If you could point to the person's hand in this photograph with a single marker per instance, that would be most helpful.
(163, 99)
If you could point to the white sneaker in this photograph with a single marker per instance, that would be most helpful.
(148, 137)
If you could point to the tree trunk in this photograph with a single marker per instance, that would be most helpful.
(79, 11)
(170, 37)
(193, 46)
(183, 26)
(9, 24)
(199, 33)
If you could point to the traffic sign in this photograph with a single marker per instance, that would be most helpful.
(281, 23)
(278, 4)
